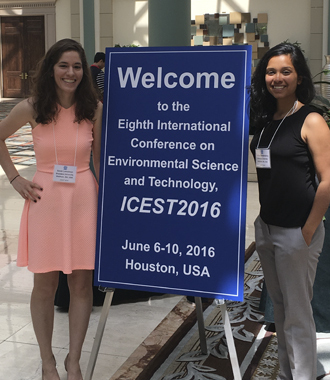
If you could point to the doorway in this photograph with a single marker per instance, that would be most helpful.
(23, 45)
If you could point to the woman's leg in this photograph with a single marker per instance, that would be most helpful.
(81, 302)
(296, 265)
(266, 251)
(290, 276)
(42, 312)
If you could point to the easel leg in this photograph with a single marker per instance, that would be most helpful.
(230, 341)
(99, 334)
(201, 327)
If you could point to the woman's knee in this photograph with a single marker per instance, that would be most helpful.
(45, 284)
(80, 282)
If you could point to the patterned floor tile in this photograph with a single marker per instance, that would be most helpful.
(20, 144)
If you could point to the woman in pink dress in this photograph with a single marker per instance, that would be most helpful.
(58, 225)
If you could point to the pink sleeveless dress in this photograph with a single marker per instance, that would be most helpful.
(58, 233)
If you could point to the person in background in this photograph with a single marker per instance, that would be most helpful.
(291, 147)
(98, 73)
(58, 225)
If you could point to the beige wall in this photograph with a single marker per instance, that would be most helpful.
(126, 21)
(103, 22)
(106, 24)
(283, 16)
(74, 19)
(298, 20)
(63, 19)
(130, 21)
(316, 58)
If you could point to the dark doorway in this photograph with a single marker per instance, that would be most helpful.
(23, 45)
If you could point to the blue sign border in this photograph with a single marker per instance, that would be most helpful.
(103, 280)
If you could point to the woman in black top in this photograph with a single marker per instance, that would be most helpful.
(291, 148)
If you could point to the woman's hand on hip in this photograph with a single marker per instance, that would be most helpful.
(27, 189)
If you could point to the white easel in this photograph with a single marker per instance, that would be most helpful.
(228, 334)
(201, 329)
(99, 332)
(230, 341)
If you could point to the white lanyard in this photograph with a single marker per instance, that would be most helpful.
(291, 110)
(65, 173)
(263, 154)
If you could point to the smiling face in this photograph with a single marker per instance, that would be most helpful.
(281, 78)
(68, 73)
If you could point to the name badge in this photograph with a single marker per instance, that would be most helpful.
(263, 158)
(65, 173)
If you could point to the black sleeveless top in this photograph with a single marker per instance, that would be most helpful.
(287, 190)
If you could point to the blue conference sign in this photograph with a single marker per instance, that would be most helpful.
(172, 198)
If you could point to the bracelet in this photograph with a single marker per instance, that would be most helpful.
(14, 178)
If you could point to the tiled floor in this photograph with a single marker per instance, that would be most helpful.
(127, 326)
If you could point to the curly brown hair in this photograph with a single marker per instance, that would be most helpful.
(44, 94)
(263, 104)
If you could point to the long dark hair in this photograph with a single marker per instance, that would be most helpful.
(263, 104)
(44, 93)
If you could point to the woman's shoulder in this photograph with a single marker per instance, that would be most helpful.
(305, 114)
(21, 114)
(312, 115)
(25, 105)
(314, 126)
(24, 111)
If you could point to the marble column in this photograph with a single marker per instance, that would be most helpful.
(89, 29)
(169, 22)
